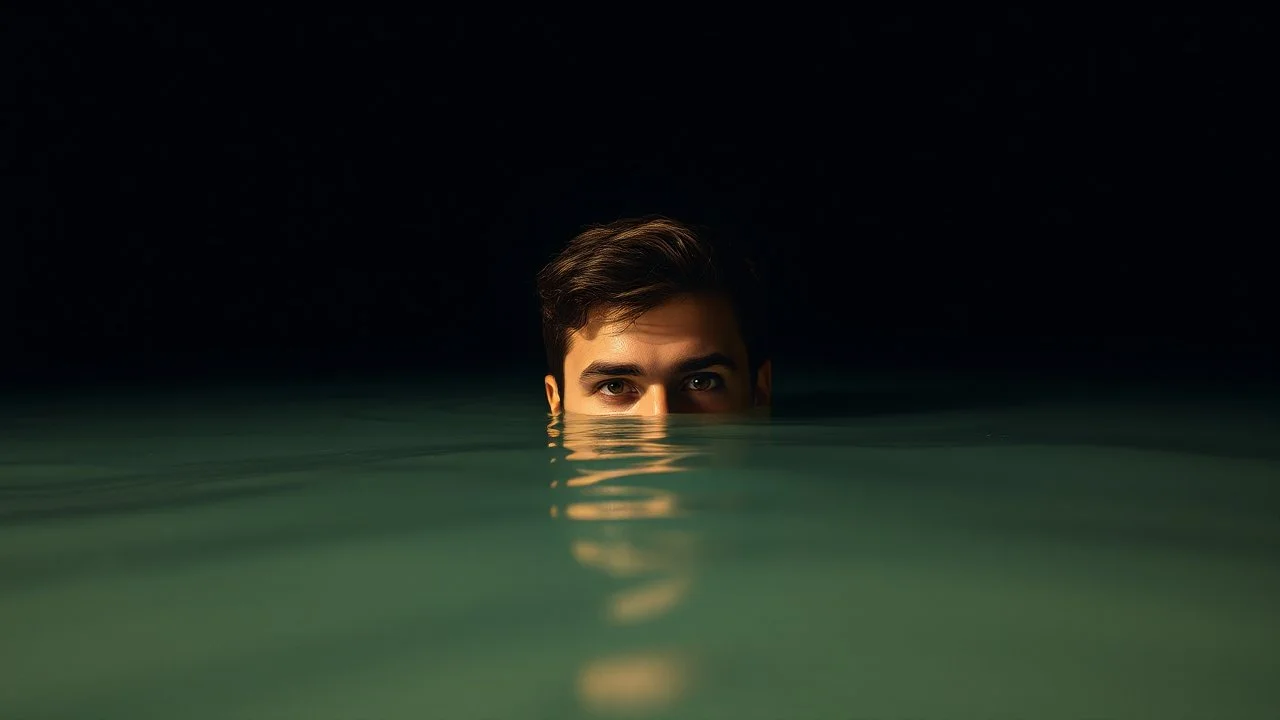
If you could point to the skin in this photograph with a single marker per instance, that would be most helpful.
(684, 356)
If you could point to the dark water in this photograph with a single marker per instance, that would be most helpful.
(881, 548)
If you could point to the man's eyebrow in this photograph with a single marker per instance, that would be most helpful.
(600, 369)
(703, 362)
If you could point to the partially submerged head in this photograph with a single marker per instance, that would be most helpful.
(647, 316)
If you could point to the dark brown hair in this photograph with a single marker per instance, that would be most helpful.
(631, 266)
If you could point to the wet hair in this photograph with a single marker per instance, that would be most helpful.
(631, 266)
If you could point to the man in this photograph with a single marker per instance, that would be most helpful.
(647, 316)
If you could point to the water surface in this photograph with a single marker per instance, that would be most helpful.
(880, 548)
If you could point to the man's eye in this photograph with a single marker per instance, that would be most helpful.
(704, 382)
(613, 387)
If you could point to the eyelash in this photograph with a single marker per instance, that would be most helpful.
(719, 384)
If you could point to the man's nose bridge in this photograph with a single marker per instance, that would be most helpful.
(655, 400)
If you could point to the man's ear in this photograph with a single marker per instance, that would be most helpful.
(764, 384)
(553, 394)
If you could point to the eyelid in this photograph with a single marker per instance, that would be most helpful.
(600, 387)
(719, 380)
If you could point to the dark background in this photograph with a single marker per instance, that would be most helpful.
(304, 191)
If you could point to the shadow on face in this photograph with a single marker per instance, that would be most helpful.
(684, 356)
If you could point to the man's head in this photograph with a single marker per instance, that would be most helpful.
(648, 317)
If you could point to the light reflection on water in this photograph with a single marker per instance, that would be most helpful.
(394, 560)
(618, 486)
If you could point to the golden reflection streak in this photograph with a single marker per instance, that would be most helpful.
(646, 602)
(591, 478)
(627, 684)
(622, 558)
(660, 504)
(641, 682)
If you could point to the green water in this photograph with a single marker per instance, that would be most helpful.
(384, 551)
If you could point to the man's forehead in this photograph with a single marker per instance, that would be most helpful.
(637, 345)
(672, 332)
(681, 315)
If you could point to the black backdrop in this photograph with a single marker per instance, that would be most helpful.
(308, 189)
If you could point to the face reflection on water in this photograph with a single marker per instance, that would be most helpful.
(617, 486)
